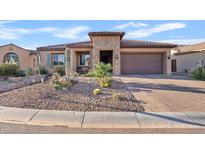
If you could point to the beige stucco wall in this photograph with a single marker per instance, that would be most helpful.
(165, 51)
(75, 57)
(188, 61)
(44, 59)
(106, 43)
(25, 58)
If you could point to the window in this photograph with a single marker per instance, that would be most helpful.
(11, 58)
(58, 59)
(85, 59)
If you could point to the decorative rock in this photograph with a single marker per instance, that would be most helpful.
(78, 97)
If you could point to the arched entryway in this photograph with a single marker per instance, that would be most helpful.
(11, 58)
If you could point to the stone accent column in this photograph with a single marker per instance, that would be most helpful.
(109, 43)
(168, 62)
(95, 57)
(116, 62)
(67, 62)
(73, 61)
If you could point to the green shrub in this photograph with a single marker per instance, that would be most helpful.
(105, 82)
(42, 70)
(20, 73)
(101, 71)
(97, 92)
(8, 69)
(199, 73)
(116, 96)
(57, 85)
(28, 72)
(60, 71)
(60, 82)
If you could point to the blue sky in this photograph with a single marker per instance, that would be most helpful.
(33, 33)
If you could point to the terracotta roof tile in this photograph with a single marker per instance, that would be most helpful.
(59, 47)
(124, 44)
(145, 44)
(107, 33)
(194, 47)
(86, 44)
(52, 47)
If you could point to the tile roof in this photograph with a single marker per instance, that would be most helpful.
(186, 49)
(86, 44)
(33, 51)
(194, 47)
(145, 44)
(107, 33)
(60, 47)
(124, 44)
(52, 47)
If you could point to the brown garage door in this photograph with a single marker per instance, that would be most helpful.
(141, 63)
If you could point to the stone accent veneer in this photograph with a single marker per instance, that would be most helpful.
(106, 43)
(189, 61)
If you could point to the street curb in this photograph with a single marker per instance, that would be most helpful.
(76, 119)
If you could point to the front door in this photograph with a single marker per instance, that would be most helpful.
(106, 57)
(174, 65)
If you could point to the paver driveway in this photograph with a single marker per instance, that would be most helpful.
(162, 93)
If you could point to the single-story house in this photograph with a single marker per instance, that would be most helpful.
(14, 54)
(187, 58)
(126, 56)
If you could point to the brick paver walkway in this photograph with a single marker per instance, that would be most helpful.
(161, 93)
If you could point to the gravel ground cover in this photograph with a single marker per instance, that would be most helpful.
(18, 82)
(77, 98)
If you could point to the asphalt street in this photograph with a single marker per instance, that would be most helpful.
(10, 128)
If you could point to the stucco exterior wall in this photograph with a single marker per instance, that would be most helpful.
(44, 58)
(106, 43)
(25, 58)
(188, 61)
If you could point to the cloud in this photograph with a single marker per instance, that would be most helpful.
(3, 22)
(71, 33)
(16, 33)
(184, 41)
(131, 24)
(146, 32)
(7, 35)
(32, 46)
(35, 30)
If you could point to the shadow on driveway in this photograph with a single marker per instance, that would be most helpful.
(134, 86)
(172, 77)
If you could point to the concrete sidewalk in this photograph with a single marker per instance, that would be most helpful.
(74, 119)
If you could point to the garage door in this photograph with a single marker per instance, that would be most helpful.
(141, 63)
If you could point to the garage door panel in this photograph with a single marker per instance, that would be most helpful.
(141, 63)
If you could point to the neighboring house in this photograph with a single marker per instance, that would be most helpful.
(14, 54)
(187, 58)
(126, 56)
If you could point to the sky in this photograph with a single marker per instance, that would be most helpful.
(34, 33)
